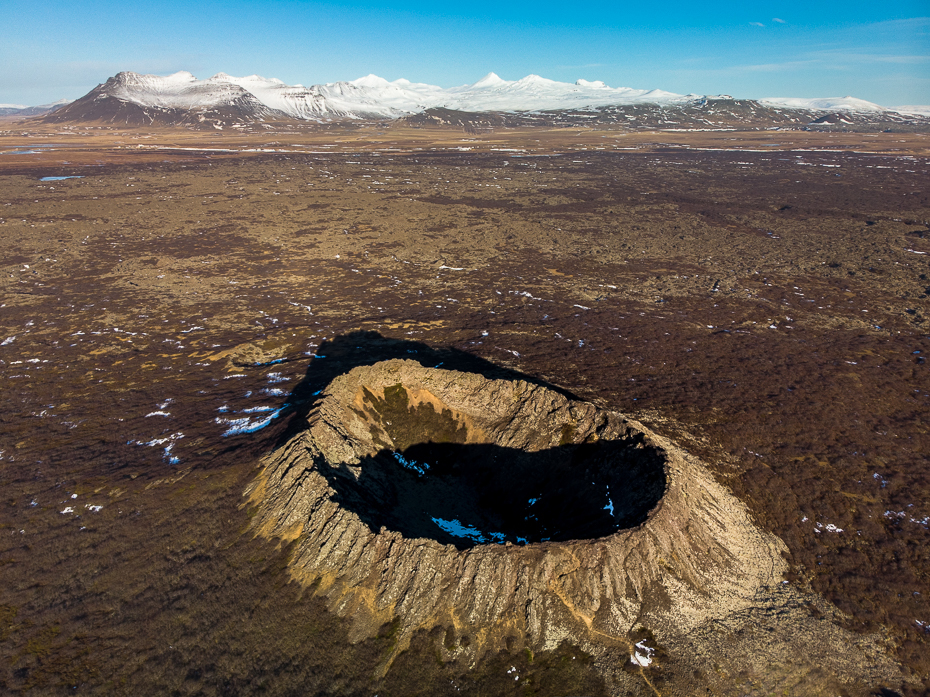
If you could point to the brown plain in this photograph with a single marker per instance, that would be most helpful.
(758, 298)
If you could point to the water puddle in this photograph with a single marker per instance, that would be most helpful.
(33, 149)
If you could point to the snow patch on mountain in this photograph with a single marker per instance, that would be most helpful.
(180, 90)
(489, 81)
(823, 104)
(536, 93)
(921, 110)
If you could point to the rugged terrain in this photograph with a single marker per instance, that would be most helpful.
(758, 300)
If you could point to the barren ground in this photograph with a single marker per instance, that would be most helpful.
(760, 298)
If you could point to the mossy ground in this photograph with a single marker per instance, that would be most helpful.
(771, 317)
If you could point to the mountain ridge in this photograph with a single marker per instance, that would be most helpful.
(38, 110)
(225, 100)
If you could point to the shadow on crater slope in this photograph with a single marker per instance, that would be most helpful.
(339, 355)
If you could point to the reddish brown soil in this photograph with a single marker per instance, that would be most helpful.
(766, 307)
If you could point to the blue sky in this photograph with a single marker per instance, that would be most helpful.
(879, 51)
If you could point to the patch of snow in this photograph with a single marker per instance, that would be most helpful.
(246, 424)
(642, 655)
(457, 529)
(829, 527)
(412, 465)
(167, 441)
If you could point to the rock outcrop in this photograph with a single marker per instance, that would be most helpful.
(361, 492)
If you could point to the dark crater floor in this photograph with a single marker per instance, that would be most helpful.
(470, 494)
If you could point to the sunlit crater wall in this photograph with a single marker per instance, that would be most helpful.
(505, 510)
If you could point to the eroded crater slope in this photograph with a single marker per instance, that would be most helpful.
(503, 509)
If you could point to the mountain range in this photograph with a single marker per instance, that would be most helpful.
(23, 110)
(225, 101)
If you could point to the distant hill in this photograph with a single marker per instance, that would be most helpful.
(19, 110)
(713, 113)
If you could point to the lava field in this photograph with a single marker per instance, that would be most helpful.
(171, 315)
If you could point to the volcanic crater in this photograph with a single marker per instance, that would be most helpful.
(503, 510)
(440, 476)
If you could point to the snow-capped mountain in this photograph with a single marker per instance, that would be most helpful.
(535, 93)
(367, 97)
(912, 109)
(823, 104)
(178, 91)
(224, 99)
(180, 98)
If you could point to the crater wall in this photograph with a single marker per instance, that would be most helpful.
(694, 554)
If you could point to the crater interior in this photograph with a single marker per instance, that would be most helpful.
(428, 481)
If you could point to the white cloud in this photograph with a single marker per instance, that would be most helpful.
(581, 67)
(784, 67)
(780, 21)
(850, 57)
(907, 24)
(756, 24)
(771, 67)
